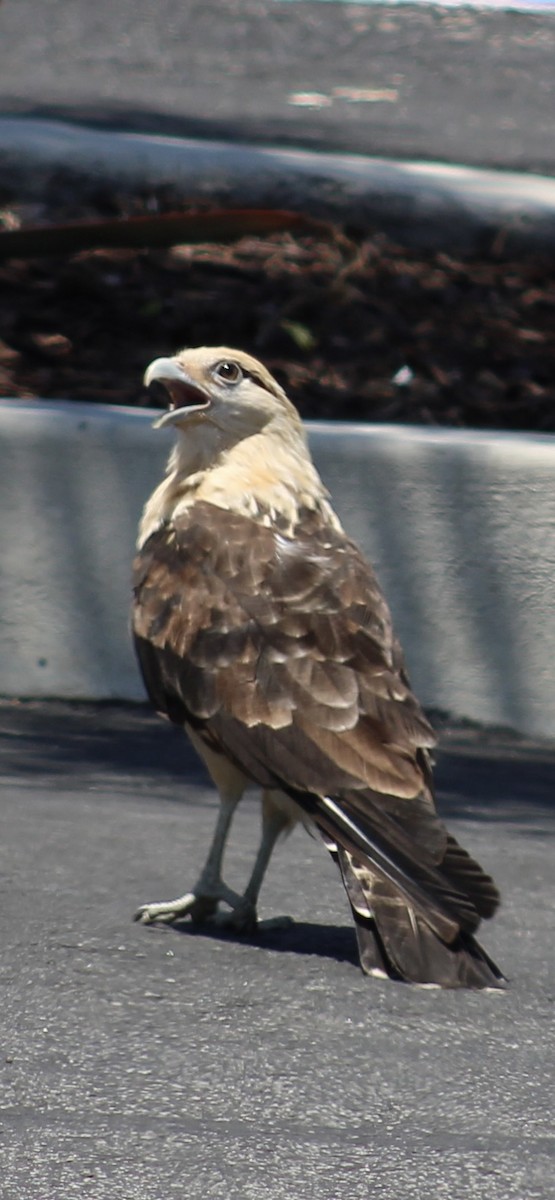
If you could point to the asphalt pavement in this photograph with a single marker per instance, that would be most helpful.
(142, 1063)
(403, 81)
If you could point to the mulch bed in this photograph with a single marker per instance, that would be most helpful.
(355, 327)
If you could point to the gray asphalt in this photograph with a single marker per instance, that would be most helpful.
(143, 1064)
(453, 85)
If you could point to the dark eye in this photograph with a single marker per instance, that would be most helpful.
(229, 372)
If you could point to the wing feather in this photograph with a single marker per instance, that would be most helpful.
(305, 633)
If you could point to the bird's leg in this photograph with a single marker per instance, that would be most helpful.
(275, 821)
(202, 902)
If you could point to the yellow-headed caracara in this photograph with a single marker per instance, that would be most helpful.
(262, 631)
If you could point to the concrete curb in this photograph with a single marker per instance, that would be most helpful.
(423, 203)
(460, 526)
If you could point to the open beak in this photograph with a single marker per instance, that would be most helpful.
(166, 381)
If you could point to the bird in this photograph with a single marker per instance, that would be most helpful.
(261, 630)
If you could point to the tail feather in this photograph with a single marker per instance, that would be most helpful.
(424, 888)
(467, 875)
(373, 959)
(415, 918)
(394, 939)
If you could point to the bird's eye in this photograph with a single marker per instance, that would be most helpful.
(229, 372)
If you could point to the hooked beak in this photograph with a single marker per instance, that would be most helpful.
(167, 381)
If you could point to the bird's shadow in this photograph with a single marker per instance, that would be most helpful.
(300, 937)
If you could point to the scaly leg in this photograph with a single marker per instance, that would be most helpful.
(201, 903)
(210, 888)
(278, 816)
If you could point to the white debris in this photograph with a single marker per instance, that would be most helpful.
(403, 377)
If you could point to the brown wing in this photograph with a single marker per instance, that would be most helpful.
(291, 634)
(280, 651)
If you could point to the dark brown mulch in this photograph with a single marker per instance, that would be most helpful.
(357, 329)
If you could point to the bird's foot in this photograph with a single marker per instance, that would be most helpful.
(198, 907)
(201, 906)
(242, 918)
(271, 923)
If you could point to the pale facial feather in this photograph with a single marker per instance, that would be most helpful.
(246, 452)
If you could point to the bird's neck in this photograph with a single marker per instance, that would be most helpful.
(268, 477)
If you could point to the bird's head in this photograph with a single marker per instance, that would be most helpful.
(219, 387)
(241, 445)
